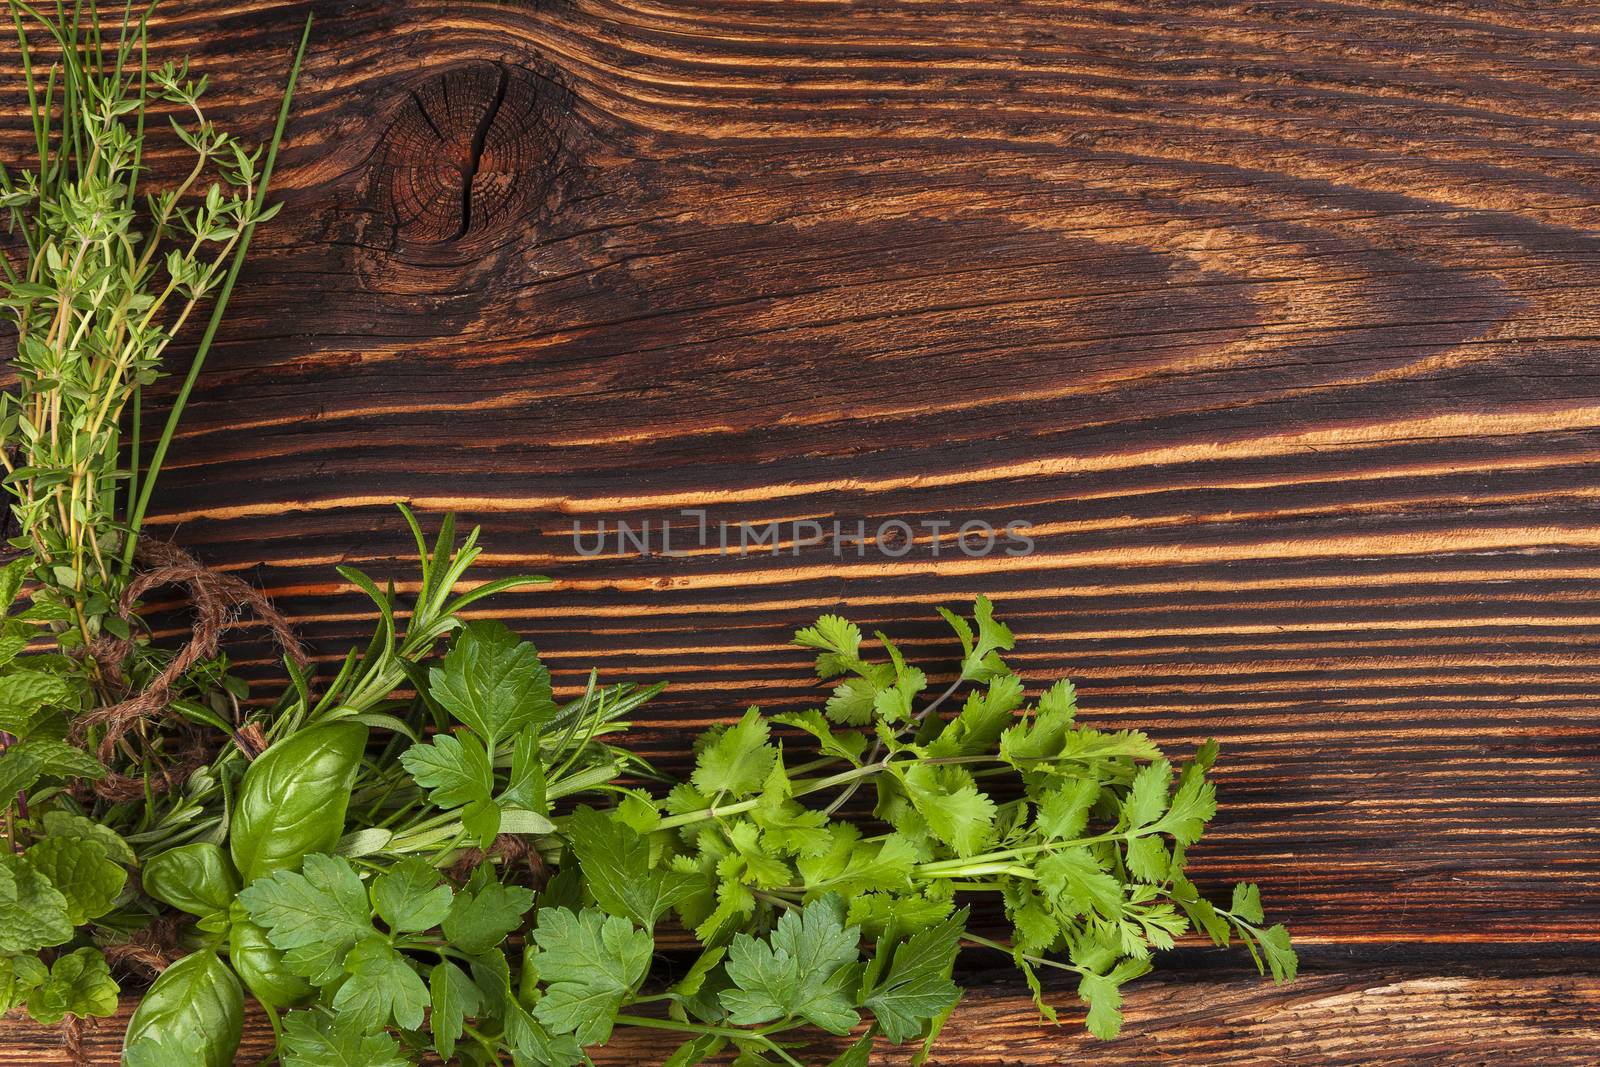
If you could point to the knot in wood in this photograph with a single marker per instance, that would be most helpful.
(472, 156)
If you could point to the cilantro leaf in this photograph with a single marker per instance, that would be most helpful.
(1103, 994)
(839, 642)
(981, 657)
(847, 746)
(802, 971)
(736, 759)
(956, 812)
(1064, 812)
(1247, 903)
(591, 963)
(1079, 885)
(1147, 800)
(852, 866)
(493, 682)
(617, 869)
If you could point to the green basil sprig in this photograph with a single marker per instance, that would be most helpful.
(292, 801)
(195, 1008)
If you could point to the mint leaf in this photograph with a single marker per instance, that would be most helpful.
(57, 759)
(590, 962)
(79, 870)
(617, 869)
(33, 914)
(735, 760)
(314, 917)
(803, 970)
(80, 984)
(493, 682)
(18, 772)
(917, 986)
(411, 896)
(381, 986)
(66, 824)
(19, 976)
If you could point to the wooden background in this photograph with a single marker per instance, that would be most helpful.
(1278, 321)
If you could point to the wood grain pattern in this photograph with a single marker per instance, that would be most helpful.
(1276, 320)
(1377, 1015)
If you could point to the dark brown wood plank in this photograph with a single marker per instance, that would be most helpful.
(1536, 1011)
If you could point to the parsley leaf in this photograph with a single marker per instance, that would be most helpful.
(315, 917)
(317, 1039)
(455, 997)
(804, 970)
(381, 985)
(591, 962)
(617, 869)
(410, 896)
(493, 682)
(917, 986)
(480, 919)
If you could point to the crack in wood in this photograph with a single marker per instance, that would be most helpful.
(475, 156)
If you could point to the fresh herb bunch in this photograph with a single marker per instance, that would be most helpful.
(103, 270)
(343, 896)
(112, 272)
(1080, 835)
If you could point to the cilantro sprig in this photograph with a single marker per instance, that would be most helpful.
(1080, 834)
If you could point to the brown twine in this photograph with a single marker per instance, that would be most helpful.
(509, 849)
(151, 950)
(216, 599)
(71, 1030)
